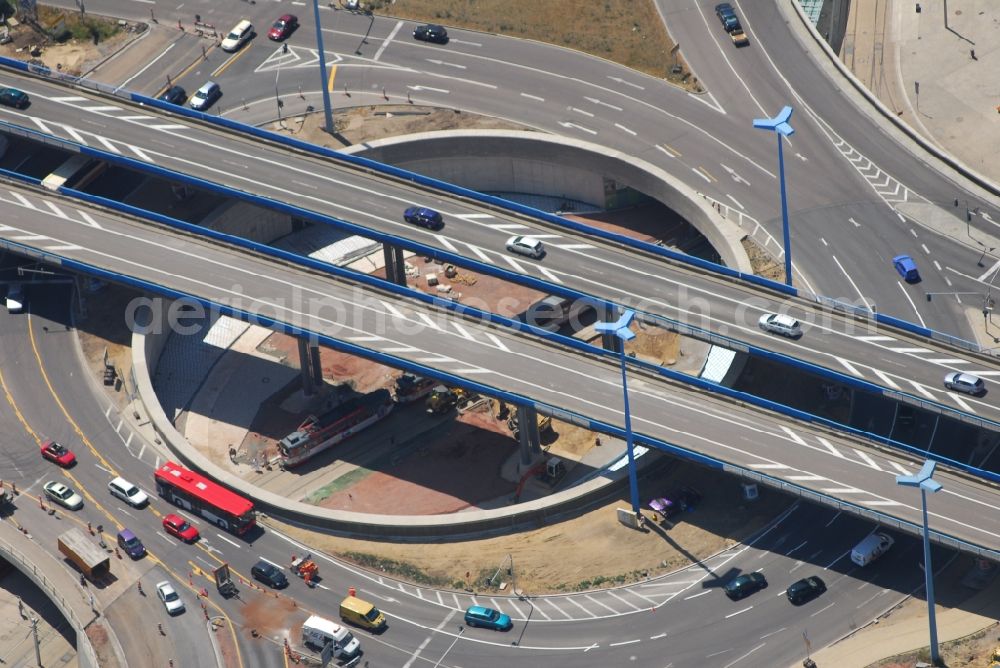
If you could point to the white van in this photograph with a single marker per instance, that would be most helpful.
(317, 632)
(871, 548)
(238, 36)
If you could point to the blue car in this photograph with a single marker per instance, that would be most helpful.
(175, 95)
(131, 544)
(906, 268)
(424, 217)
(488, 618)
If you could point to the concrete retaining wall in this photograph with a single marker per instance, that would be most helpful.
(146, 351)
(538, 163)
(248, 221)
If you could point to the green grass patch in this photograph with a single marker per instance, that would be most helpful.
(343, 482)
(402, 569)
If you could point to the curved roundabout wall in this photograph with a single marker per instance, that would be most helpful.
(544, 164)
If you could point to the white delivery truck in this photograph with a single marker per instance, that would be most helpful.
(318, 632)
(871, 548)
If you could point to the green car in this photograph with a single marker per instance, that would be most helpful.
(12, 97)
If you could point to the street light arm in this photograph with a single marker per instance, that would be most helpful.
(620, 327)
(779, 123)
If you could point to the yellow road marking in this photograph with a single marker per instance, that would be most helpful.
(225, 66)
(333, 75)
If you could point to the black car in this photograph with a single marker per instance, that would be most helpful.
(431, 33)
(744, 585)
(424, 217)
(175, 95)
(805, 589)
(269, 574)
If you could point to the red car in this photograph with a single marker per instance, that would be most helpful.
(175, 525)
(58, 454)
(283, 27)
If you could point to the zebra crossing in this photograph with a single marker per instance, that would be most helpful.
(630, 599)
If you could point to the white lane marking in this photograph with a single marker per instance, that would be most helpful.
(899, 467)
(880, 503)
(886, 379)
(792, 435)
(874, 339)
(496, 606)
(853, 284)
(773, 633)
(948, 360)
(626, 83)
(581, 111)
(498, 342)
(533, 97)
(658, 636)
(827, 567)
(462, 331)
(233, 543)
(482, 256)
(872, 598)
(700, 173)
(868, 460)
(572, 599)
(994, 267)
(428, 321)
(735, 201)
(604, 605)
(628, 603)
(520, 613)
(910, 299)
(833, 519)
(688, 598)
(910, 351)
(396, 313)
(768, 466)
(573, 246)
(103, 469)
(921, 389)
(822, 609)
(738, 612)
(518, 267)
(623, 642)
(596, 101)
(926, 250)
(385, 43)
(443, 91)
(739, 659)
(108, 145)
(958, 400)
(802, 544)
(445, 63)
(507, 227)
(427, 640)
(850, 367)
(625, 129)
(444, 241)
(805, 477)
(548, 274)
(843, 490)
(567, 124)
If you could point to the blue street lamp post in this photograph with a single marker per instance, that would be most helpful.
(327, 110)
(923, 479)
(622, 331)
(779, 125)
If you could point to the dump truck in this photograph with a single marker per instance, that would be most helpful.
(85, 555)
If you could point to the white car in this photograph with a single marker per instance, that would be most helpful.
(63, 495)
(526, 246)
(238, 36)
(128, 492)
(780, 324)
(15, 298)
(171, 600)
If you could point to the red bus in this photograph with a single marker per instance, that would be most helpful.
(201, 496)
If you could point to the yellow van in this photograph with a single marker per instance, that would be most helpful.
(361, 613)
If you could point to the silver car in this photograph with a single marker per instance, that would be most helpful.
(205, 96)
(526, 246)
(63, 495)
(965, 383)
(171, 600)
(780, 324)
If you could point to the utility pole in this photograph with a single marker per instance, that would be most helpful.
(34, 632)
